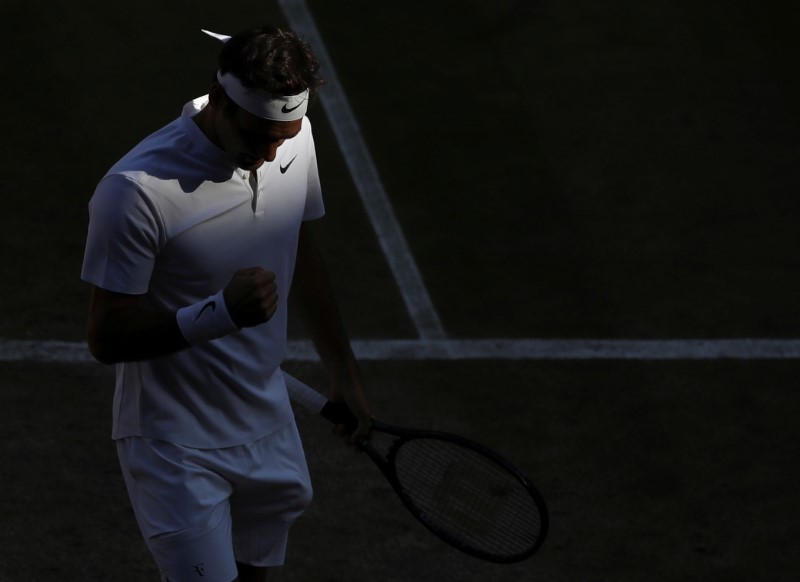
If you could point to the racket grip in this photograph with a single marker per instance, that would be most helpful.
(339, 413)
(313, 401)
(303, 395)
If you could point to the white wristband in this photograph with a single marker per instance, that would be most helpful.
(205, 320)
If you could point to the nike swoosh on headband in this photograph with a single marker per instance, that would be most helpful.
(285, 109)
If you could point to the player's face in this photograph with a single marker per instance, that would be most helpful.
(252, 140)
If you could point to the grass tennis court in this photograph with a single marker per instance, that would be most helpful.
(559, 170)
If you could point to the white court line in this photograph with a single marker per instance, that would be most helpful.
(366, 179)
(483, 349)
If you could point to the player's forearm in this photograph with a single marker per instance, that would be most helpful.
(122, 328)
(133, 333)
(313, 299)
(319, 313)
(325, 328)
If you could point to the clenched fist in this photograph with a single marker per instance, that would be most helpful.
(251, 297)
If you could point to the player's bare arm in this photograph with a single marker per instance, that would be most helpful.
(312, 298)
(122, 329)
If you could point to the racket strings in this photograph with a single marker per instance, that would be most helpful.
(468, 497)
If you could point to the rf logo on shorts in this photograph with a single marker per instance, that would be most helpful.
(199, 569)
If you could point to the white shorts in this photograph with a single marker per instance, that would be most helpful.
(203, 510)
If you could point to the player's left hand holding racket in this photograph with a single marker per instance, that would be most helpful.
(467, 494)
(359, 424)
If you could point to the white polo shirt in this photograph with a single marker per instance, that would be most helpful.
(173, 220)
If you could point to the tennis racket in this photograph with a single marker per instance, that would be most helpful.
(467, 494)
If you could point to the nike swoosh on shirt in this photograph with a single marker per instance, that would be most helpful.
(210, 305)
(286, 167)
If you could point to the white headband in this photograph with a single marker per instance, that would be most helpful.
(259, 102)
(263, 104)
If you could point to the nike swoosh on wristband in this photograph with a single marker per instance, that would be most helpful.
(286, 167)
(210, 305)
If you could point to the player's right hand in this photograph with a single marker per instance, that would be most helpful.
(251, 297)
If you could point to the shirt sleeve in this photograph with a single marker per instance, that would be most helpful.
(124, 237)
(315, 208)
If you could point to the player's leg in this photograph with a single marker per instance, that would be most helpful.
(273, 490)
(182, 509)
(251, 573)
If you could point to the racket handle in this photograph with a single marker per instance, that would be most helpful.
(304, 395)
(313, 401)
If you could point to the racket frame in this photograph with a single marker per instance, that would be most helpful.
(338, 413)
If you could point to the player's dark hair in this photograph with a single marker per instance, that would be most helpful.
(272, 59)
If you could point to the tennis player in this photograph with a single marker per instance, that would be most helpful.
(197, 238)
